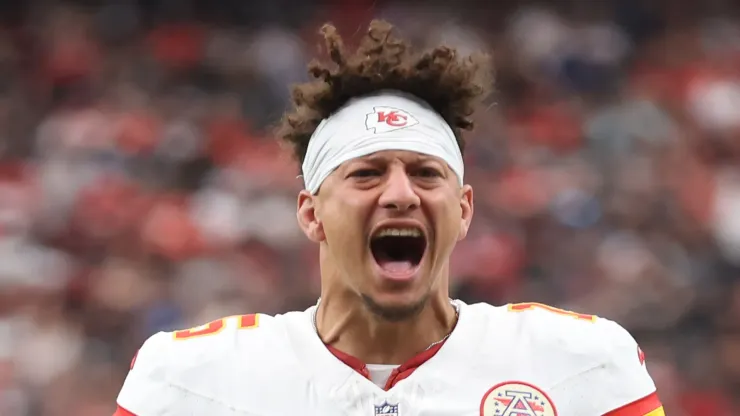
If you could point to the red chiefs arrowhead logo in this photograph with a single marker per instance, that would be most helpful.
(386, 119)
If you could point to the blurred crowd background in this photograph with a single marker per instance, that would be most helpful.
(141, 188)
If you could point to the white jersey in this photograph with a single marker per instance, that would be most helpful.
(513, 360)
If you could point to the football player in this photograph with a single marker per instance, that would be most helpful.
(378, 133)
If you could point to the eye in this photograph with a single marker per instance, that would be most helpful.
(364, 173)
(428, 172)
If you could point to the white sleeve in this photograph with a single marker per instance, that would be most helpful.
(621, 381)
(147, 390)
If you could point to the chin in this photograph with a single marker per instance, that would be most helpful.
(395, 307)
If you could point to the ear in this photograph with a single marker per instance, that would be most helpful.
(466, 208)
(307, 218)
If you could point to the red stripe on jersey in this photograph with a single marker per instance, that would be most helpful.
(411, 365)
(398, 374)
(638, 408)
(120, 411)
(352, 362)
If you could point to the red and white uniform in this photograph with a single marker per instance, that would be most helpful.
(513, 360)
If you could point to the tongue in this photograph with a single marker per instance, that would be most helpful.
(396, 266)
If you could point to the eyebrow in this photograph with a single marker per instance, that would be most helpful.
(420, 158)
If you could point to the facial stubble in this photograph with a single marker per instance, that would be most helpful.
(394, 313)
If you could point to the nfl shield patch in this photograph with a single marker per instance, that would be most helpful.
(386, 409)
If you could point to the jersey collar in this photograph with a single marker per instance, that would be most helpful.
(445, 363)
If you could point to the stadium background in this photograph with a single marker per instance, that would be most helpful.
(141, 190)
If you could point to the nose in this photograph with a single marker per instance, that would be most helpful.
(398, 193)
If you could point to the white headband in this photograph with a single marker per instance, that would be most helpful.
(385, 121)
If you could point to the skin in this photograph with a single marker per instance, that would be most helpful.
(362, 313)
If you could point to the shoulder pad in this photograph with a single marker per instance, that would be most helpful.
(605, 358)
(155, 384)
(621, 379)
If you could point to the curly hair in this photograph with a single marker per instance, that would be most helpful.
(451, 85)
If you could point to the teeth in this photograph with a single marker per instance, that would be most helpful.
(399, 232)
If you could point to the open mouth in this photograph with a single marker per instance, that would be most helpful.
(398, 250)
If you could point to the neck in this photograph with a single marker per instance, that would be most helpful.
(344, 323)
